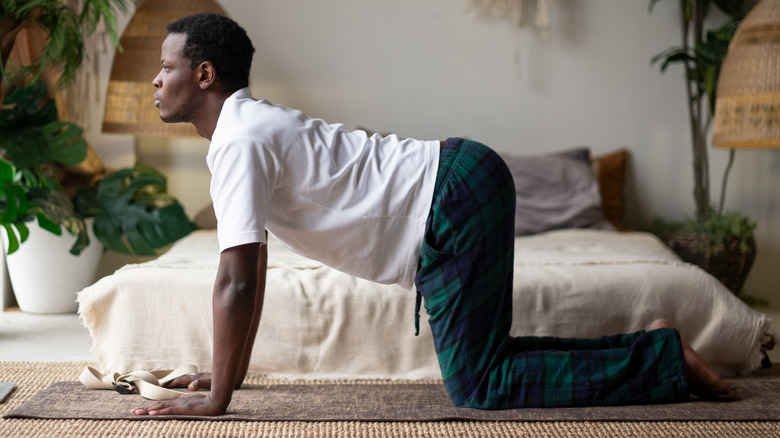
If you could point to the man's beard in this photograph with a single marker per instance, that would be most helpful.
(174, 119)
(181, 117)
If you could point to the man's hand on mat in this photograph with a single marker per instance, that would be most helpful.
(193, 382)
(189, 404)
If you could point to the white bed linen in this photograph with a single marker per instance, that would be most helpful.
(320, 323)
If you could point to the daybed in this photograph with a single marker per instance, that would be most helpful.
(320, 323)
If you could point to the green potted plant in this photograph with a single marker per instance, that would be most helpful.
(34, 142)
(720, 242)
(129, 210)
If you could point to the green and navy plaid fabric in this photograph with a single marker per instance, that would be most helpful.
(465, 276)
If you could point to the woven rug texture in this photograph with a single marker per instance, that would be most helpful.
(32, 378)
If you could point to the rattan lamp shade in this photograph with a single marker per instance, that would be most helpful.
(747, 109)
(129, 103)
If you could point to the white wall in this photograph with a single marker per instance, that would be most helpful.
(427, 69)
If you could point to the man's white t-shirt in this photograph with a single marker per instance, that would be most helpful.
(356, 203)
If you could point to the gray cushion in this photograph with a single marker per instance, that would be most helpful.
(555, 191)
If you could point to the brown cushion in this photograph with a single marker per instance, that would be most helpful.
(610, 170)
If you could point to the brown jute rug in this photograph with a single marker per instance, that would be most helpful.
(375, 408)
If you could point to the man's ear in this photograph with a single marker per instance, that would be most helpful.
(207, 75)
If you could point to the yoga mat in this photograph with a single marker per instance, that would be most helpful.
(758, 401)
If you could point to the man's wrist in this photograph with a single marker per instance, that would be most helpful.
(219, 402)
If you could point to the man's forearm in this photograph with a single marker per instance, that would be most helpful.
(234, 303)
(262, 266)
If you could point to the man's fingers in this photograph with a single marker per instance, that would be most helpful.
(161, 408)
(148, 410)
(163, 411)
(187, 404)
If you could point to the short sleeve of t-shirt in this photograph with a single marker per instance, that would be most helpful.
(240, 199)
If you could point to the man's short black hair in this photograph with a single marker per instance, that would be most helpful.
(220, 40)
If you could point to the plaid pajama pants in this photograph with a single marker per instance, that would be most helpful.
(465, 277)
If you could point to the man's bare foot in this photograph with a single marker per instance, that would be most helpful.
(703, 381)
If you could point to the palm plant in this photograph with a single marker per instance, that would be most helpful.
(701, 54)
(720, 242)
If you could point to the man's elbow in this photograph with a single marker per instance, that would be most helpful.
(235, 294)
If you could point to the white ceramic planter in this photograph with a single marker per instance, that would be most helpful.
(45, 276)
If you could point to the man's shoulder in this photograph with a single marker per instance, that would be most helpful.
(251, 118)
(249, 113)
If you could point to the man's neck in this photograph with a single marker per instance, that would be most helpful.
(210, 114)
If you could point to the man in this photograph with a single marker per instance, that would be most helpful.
(430, 214)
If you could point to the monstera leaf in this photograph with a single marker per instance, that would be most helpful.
(133, 212)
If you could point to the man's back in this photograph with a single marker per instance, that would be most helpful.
(353, 202)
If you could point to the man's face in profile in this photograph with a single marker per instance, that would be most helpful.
(177, 82)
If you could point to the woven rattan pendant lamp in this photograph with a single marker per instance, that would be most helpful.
(129, 104)
(747, 109)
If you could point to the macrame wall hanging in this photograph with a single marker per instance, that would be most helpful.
(514, 11)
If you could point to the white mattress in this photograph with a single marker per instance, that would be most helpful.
(321, 323)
